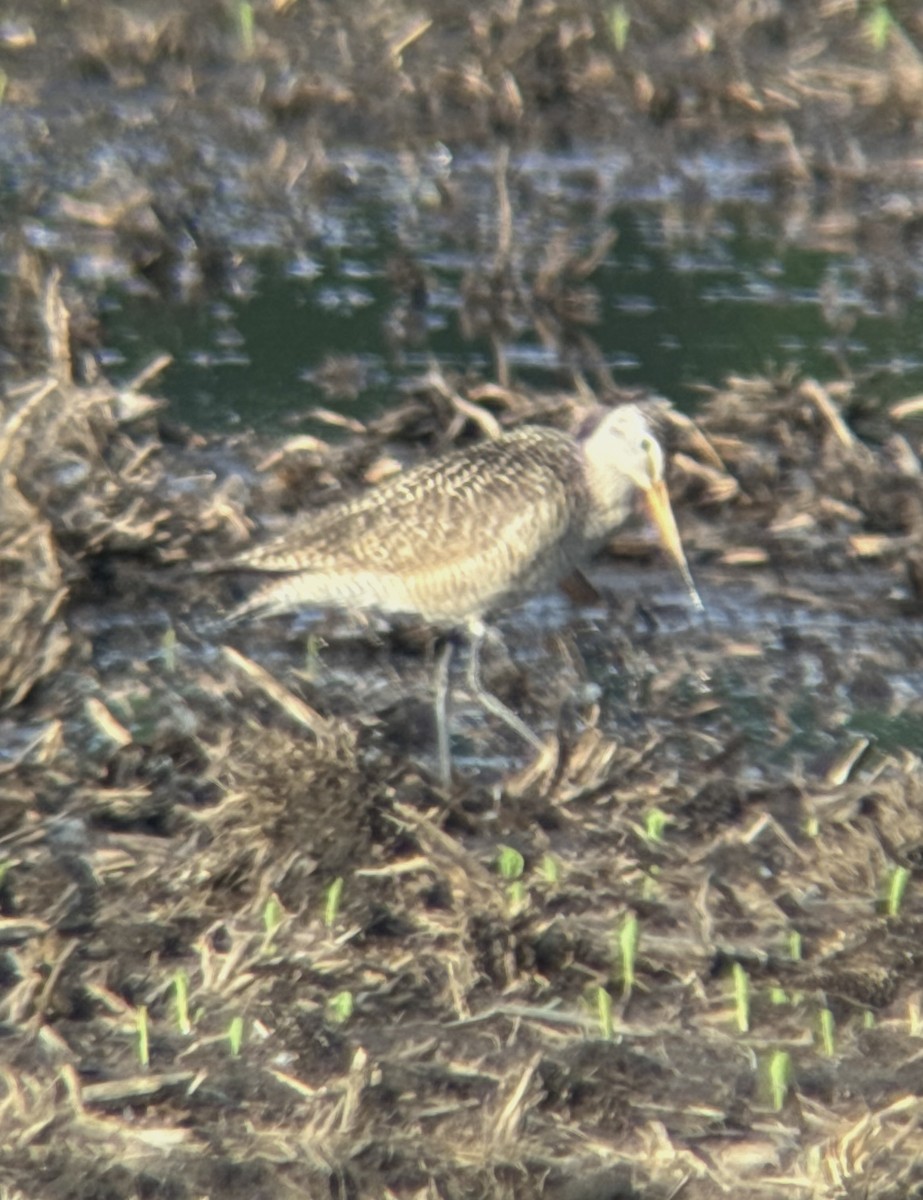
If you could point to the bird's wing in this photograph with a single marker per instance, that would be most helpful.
(448, 511)
(489, 561)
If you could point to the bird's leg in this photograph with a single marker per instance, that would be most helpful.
(488, 700)
(440, 703)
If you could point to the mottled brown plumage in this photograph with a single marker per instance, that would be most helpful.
(462, 535)
(471, 532)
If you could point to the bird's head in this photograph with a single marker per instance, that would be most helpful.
(619, 440)
(621, 449)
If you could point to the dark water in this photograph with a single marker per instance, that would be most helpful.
(708, 275)
(701, 282)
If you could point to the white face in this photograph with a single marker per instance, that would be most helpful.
(623, 454)
(623, 440)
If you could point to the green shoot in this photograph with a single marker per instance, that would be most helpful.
(619, 25)
(795, 947)
(878, 25)
(897, 886)
(812, 827)
(548, 869)
(143, 1032)
(655, 824)
(245, 26)
(827, 1032)
(778, 1078)
(741, 982)
(272, 916)
(516, 894)
(236, 1035)
(604, 1013)
(181, 1001)
(868, 1019)
(313, 647)
(340, 1007)
(510, 863)
(332, 902)
(778, 996)
(168, 650)
(629, 937)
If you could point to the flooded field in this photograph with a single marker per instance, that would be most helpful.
(255, 259)
(698, 283)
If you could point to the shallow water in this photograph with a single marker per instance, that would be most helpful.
(337, 300)
(341, 299)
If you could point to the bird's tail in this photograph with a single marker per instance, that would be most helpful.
(283, 594)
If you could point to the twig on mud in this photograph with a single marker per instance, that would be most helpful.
(135, 1087)
(508, 1122)
(56, 320)
(820, 398)
(406, 38)
(146, 374)
(48, 738)
(300, 712)
(465, 409)
(17, 420)
(106, 723)
(702, 444)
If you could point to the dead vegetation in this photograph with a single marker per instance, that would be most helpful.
(790, 75)
(249, 950)
(279, 92)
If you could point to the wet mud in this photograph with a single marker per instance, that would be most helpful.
(249, 947)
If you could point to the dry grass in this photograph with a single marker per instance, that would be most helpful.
(246, 946)
(793, 78)
(187, 1008)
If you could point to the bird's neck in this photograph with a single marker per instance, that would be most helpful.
(611, 497)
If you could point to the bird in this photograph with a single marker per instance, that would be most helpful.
(466, 534)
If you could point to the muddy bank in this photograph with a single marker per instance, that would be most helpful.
(249, 947)
(448, 180)
(809, 76)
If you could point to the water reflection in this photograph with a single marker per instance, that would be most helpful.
(685, 296)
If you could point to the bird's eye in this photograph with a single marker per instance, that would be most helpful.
(649, 449)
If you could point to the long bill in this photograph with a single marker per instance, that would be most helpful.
(657, 499)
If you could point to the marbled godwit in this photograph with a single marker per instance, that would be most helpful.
(468, 533)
